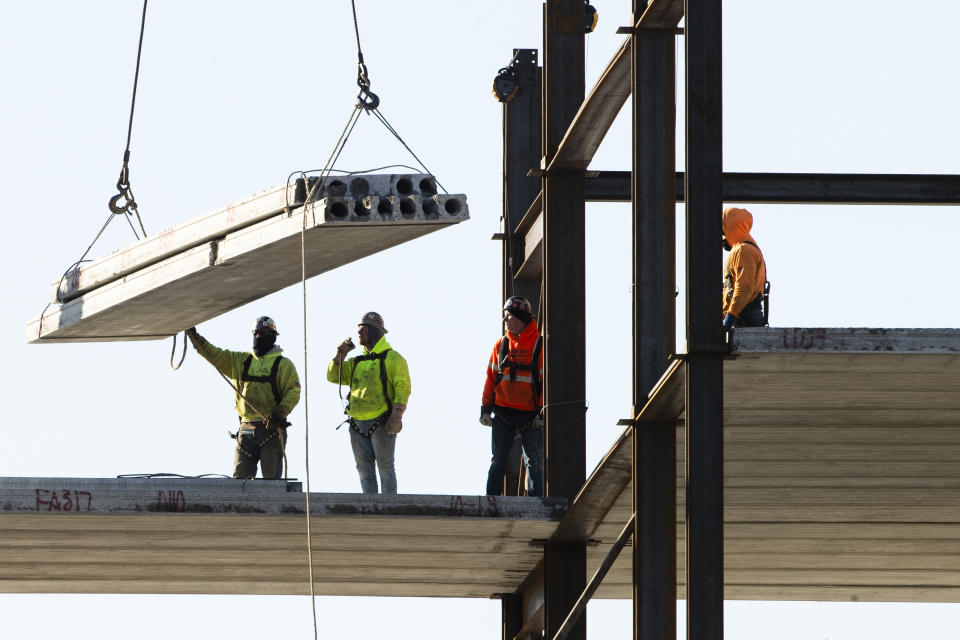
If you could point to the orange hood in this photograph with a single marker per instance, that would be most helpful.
(736, 224)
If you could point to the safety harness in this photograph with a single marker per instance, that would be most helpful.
(382, 418)
(532, 367)
(270, 379)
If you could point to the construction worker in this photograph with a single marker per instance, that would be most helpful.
(745, 273)
(268, 389)
(512, 397)
(379, 384)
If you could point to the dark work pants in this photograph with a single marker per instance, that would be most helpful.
(506, 423)
(752, 314)
(271, 454)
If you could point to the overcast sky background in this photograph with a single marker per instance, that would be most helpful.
(236, 95)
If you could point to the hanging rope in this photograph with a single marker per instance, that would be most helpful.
(314, 193)
(173, 350)
(124, 203)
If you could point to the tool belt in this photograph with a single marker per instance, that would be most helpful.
(271, 434)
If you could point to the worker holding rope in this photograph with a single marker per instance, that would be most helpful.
(267, 388)
(379, 388)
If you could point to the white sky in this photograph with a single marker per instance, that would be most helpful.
(235, 95)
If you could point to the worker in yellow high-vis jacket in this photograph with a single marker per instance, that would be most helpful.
(379, 384)
(269, 390)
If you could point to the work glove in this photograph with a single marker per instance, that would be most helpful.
(195, 338)
(729, 320)
(395, 421)
(486, 417)
(343, 349)
(277, 419)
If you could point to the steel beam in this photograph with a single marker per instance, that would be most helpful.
(598, 111)
(797, 188)
(653, 78)
(705, 337)
(563, 308)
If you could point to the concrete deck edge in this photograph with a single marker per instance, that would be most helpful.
(21, 495)
(845, 340)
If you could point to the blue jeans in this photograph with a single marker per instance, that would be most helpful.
(373, 453)
(506, 423)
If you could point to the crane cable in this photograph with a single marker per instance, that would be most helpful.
(123, 185)
(123, 203)
(370, 102)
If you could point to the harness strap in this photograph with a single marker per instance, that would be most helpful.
(271, 378)
(382, 357)
(376, 425)
(504, 362)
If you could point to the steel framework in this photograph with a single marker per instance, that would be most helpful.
(544, 250)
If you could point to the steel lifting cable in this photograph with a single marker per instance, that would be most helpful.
(123, 185)
(370, 102)
(124, 192)
(366, 99)
(123, 203)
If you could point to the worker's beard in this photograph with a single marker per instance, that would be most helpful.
(263, 344)
(373, 337)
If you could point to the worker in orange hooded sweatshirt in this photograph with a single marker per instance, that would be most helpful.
(512, 397)
(745, 273)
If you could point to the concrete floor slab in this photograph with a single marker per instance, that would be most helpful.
(163, 296)
(88, 535)
(841, 469)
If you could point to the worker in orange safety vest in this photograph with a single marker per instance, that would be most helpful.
(513, 397)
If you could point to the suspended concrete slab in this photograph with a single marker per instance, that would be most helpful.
(207, 266)
(841, 468)
(195, 536)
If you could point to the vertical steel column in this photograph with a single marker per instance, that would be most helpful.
(511, 609)
(705, 338)
(521, 153)
(564, 304)
(653, 78)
